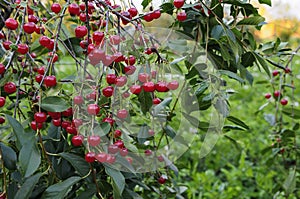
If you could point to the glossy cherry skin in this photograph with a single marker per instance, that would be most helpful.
(90, 157)
(55, 7)
(11, 24)
(10, 87)
(94, 140)
(50, 81)
(2, 101)
(77, 140)
(40, 117)
(93, 109)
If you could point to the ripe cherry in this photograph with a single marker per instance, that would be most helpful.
(160, 158)
(108, 91)
(133, 12)
(276, 93)
(74, 9)
(161, 86)
(161, 180)
(117, 133)
(78, 100)
(148, 17)
(122, 114)
(148, 152)
(156, 14)
(143, 77)
(101, 157)
(268, 95)
(130, 60)
(2, 101)
(81, 31)
(56, 122)
(135, 89)
(129, 70)
(41, 70)
(32, 18)
(94, 140)
(115, 39)
(93, 109)
(121, 81)
(111, 78)
(275, 73)
(2, 69)
(50, 81)
(71, 130)
(77, 140)
(173, 85)
(90, 157)
(151, 132)
(54, 115)
(110, 159)
(39, 78)
(178, 3)
(10, 87)
(40, 117)
(29, 27)
(126, 15)
(2, 120)
(156, 101)
(35, 125)
(23, 49)
(283, 102)
(109, 120)
(287, 70)
(113, 149)
(149, 87)
(98, 36)
(44, 41)
(11, 24)
(123, 152)
(6, 45)
(181, 16)
(55, 7)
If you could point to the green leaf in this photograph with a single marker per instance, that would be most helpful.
(217, 32)
(19, 132)
(238, 122)
(248, 59)
(118, 179)
(143, 133)
(268, 2)
(145, 3)
(26, 189)
(263, 63)
(102, 129)
(79, 164)
(232, 75)
(292, 112)
(170, 131)
(145, 100)
(222, 107)
(290, 183)
(29, 157)
(54, 104)
(9, 157)
(60, 189)
(158, 108)
(255, 20)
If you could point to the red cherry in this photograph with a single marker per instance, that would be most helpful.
(40, 117)
(78, 100)
(108, 60)
(41, 70)
(23, 49)
(54, 59)
(148, 17)
(276, 93)
(11, 24)
(50, 81)
(82, 6)
(133, 12)
(129, 70)
(160, 158)
(135, 89)
(268, 95)
(2, 101)
(156, 14)
(181, 16)
(121, 81)
(119, 144)
(10, 87)
(94, 140)
(77, 140)
(6, 45)
(173, 85)
(119, 57)
(111, 78)
(123, 152)
(148, 152)
(2, 36)
(161, 86)
(32, 18)
(115, 39)
(130, 60)
(149, 87)
(117, 133)
(108, 91)
(122, 114)
(2, 120)
(71, 130)
(151, 132)
(82, 17)
(54, 115)
(127, 15)
(81, 31)
(39, 78)
(109, 120)
(156, 101)
(113, 149)
(162, 180)
(283, 102)
(93, 109)
(55, 7)
(98, 36)
(35, 126)
(65, 124)
(178, 3)
(110, 159)
(77, 122)
(287, 70)
(29, 27)
(90, 157)
(44, 41)
(275, 73)
(56, 122)
(2, 69)
(74, 9)
(101, 157)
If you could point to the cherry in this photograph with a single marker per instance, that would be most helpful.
(109, 120)
(71, 130)
(156, 14)
(110, 159)
(98, 36)
(10, 87)
(82, 17)
(151, 132)
(55, 57)
(39, 78)
(108, 91)
(81, 31)
(23, 49)
(162, 180)
(6, 45)
(268, 95)
(78, 100)
(178, 3)
(65, 124)
(93, 109)
(181, 16)
(56, 122)
(111, 78)
(2, 120)
(11, 24)
(115, 39)
(32, 18)
(44, 41)
(129, 70)
(156, 101)
(50, 81)
(29, 10)
(143, 77)
(119, 144)
(133, 12)
(90, 157)
(149, 87)
(101, 157)
(122, 114)
(2, 69)
(82, 6)
(2, 36)
(135, 89)
(54, 115)
(148, 17)
(2, 101)
(123, 152)
(40, 117)
(35, 126)
(117, 133)
(127, 15)
(29, 27)
(121, 81)
(77, 140)
(130, 60)
(77, 123)
(113, 149)
(33, 55)
(173, 85)
(55, 7)
(275, 73)
(74, 9)
(283, 102)
(108, 60)
(126, 94)
(161, 86)
(276, 93)
(287, 70)
(41, 70)
(148, 152)
(94, 140)
(160, 158)
(148, 51)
